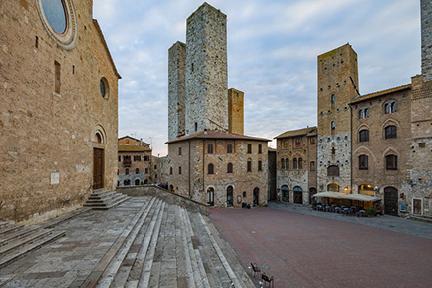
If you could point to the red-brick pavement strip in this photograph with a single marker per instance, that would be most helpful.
(307, 251)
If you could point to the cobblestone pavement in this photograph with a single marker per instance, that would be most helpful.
(396, 224)
(301, 250)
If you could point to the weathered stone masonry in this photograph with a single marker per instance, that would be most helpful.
(426, 13)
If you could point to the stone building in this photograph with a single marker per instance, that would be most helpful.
(209, 158)
(377, 144)
(58, 117)
(135, 166)
(219, 168)
(272, 174)
(296, 165)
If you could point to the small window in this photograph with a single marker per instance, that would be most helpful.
(312, 140)
(287, 164)
(146, 170)
(146, 158)
(333, 125)
(364, 113)
(179, 151)
(364, 135)
(391, 162)
(119, 158)
(229, 148)
(333, 99)
(137, 171)
(57, 86)
(333, 151)
(171, 171)
(298, 141)
(390, 107)
(333, 171)
(249, 166)
(259, 165)
(137, 158)
(230, 168)
(283, 164)
(295, 164)
(210, 169)
(300, 163)
(259, 148)
(179, 170)
(210, 148)
(249, 149)
(127, 171)
(363, 162)
(196, 126)
(104, 88)
(312, 166)
(390, 132)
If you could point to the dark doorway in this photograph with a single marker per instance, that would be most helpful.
(298, 195)
(285, 193)
(256, 196)
(417, 207)
(230, 196)
(137, 182)
(312, 192)
(391, 201)
(210, 196)
(98, 168)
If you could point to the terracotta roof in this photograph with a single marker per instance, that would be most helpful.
(380, 93)
(216, 135)
(133, 148)
(309, 131)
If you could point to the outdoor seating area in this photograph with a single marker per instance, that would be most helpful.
(264, 279)
(347, 204)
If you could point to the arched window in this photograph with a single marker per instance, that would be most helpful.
(333, 171)
(333, 99)
(283, 164)
(363, 162)
(286, 163)
(294, 163)
(390, 107)
(333, 125)
(391, 162)
(390, 132)
(230, 168)
(127, 171)
(126, 182)
(364, 135)
(137, 171)
(137, 182)
(300, 163)
(210, 169)
(364, 113)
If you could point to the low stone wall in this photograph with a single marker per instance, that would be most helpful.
(171, 198)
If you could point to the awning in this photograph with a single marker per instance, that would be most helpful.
(337, 195)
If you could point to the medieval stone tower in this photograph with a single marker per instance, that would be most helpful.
(176, 90)
(426, 16)
(337, 85)
(206, 70)
(236, 111)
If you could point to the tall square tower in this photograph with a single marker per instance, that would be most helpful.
(236, 111)
(426, 30)
(206, 70)
(337, 84)
(176, 90)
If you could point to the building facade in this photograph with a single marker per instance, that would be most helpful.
(135, 166)
(377, 144)
(209, 158)
(296, 165)
(58, 117)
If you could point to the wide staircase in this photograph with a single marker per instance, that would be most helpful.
(104, 200)
(166, 246)
(18, 240)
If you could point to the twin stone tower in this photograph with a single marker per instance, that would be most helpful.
(198, 95)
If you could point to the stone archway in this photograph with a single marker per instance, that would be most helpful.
(285, 193)
(256, 193)
(298, 195)
(230, 196)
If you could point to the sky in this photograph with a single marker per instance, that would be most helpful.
(272, 50)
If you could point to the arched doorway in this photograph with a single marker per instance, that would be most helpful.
(256, 196)
(230, 196)
(210, 196)
(333, 187)
(391, 201)
(312, 192)
(298, 195)
(137, 182)
(171, 188)
(285, 193)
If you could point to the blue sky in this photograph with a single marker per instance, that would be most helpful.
(272, 50)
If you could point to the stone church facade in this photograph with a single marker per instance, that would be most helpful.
(377, 144)
(58, 117)
(210, 160)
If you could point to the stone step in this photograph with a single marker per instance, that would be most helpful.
(111, 275)
(28, 246)
(112, 204)
(16, 234)
(105, 202)
(9, 228)
(101, 268)
(25, 239)
(103, 196)
(109, 200)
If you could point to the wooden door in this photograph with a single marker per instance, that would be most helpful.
(417, 206)
(98, 168)
(391, 201)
